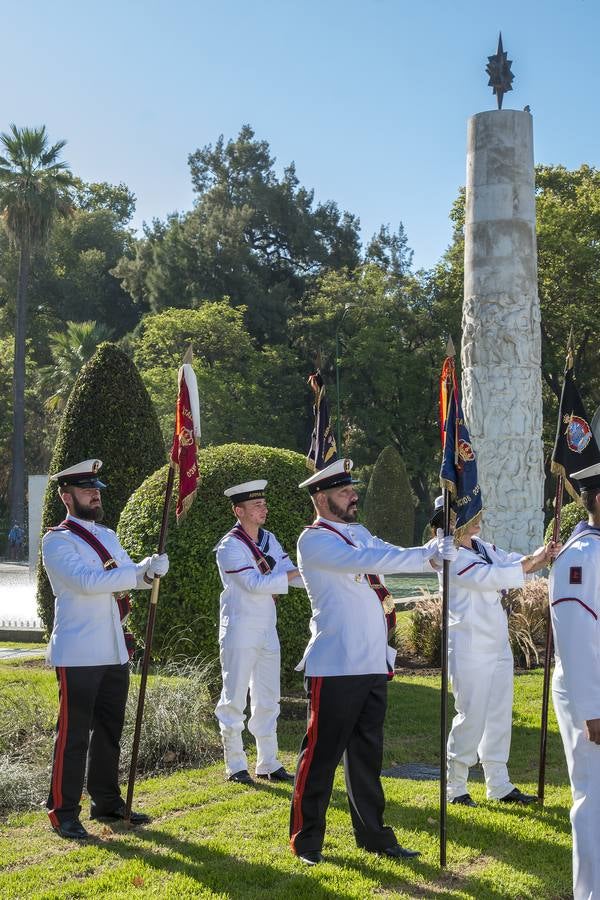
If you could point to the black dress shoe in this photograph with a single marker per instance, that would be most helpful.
(398, 852)
(517, 796)
(311, 857)
(395, 852)
(118, 814)
(241, 777)
(464, 800)
(72, 829)
(278, 775)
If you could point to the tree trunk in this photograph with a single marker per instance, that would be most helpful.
(17, 480)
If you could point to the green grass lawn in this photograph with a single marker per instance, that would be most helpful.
(212, 839)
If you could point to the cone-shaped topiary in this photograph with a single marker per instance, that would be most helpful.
(187, 618)
(571, 515)
(109, 415)
(389, 505)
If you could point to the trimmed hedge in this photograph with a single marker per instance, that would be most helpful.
(389, 505)
(109, 415)
(187, 620)
(571, 515)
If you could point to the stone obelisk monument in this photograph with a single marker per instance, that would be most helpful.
(501, 340)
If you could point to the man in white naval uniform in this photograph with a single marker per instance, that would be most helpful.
(575, 610)
(87, 648)
(480, 663)
(347, 664)
(254, 568)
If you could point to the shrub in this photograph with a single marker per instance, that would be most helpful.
(22, 786)
(528, 609)
(389, 503)
(187, 620)
(424, 633)
(179, 730)
(109, 415)
(179, 727)
(571, 515)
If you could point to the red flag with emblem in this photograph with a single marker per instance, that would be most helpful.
(184, 452)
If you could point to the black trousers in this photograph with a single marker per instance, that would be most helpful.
(90, 721)
(345, 719)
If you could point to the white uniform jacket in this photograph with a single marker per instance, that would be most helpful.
(348, 626)
(247, 605)
(87, 628)
(574, 588)
(477, 622)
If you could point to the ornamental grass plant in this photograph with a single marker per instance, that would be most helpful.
(179, 728)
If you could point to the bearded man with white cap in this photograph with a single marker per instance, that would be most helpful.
(575, 609)
(89, 572)
(347, 663)
(254, 569)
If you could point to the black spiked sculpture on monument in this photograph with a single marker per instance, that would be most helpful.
(498, 68)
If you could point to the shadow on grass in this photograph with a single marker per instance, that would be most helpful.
(219, 871)
(523, 853)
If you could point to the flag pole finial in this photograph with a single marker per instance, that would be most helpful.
(450, 351)
(188, 357)
(570, 351)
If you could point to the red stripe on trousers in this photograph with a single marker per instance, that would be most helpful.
(61, 740)
(576, 600)
(312, 734)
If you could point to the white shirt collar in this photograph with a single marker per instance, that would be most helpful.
(339, 526)
(86, 523)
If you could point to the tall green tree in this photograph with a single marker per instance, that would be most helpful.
(34, 189)
(247, 393)
(71, 348)
(254, 236)
(391, 341)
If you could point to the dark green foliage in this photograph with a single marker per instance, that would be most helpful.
(188, 611)
(389, 504)
(254, 235)
(109, 415)
(571, 514)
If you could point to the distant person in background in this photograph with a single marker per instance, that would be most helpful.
(16, 536)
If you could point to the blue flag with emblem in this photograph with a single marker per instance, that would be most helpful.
(459, 464)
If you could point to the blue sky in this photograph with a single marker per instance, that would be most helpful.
(370, 98)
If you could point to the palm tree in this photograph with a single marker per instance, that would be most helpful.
(70, 350)
(34, 188)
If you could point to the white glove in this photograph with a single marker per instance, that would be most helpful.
(445, 546)
(142, 566)
(158, 565)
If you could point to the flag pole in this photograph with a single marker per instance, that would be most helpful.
(450, 352)
(548, 652)
(162, 541)
(558, 501)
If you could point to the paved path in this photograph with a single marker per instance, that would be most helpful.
(14, 653)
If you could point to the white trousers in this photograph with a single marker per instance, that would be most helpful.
(483, 697)
(583, 764)
(255, 668)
